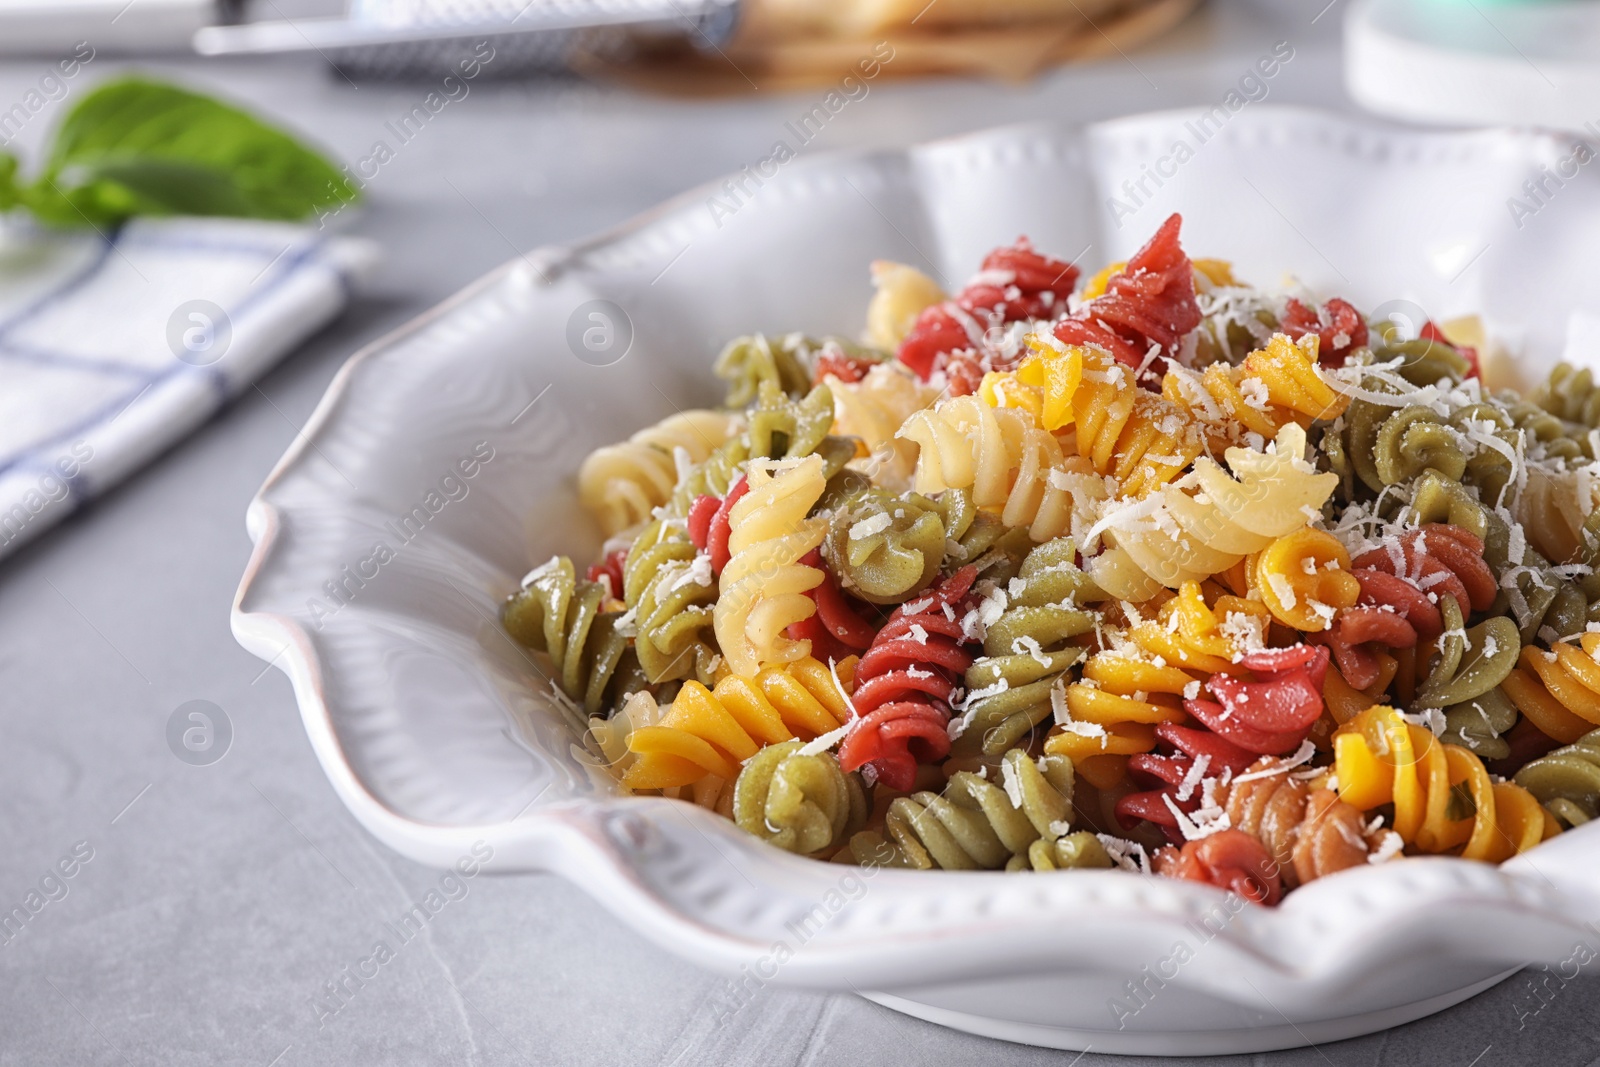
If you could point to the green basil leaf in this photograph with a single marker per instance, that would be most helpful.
(138, 147)
(10, 195)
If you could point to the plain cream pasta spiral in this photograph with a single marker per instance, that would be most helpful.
(621, 484)
(1209, 519)
(1552, 508)
(873, 409)
(902, 293)
(764, 584)
(1006, 459)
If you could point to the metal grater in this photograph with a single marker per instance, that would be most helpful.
(417, 38)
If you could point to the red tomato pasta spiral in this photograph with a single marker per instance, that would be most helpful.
(1015, 283)
(1150, 302)
(1339, 327)
(840, 627)
(1401, 585)
(1270, 714)
(904, 684)
(1231, 860)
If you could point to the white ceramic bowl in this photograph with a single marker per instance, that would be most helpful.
(436, 732)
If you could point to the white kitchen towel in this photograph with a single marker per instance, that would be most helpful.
(112, 346)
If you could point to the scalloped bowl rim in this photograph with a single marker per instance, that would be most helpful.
(599, 843)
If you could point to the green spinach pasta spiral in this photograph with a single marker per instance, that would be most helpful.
(713, 477)
(885, 548)
(1570, 394)
(1478, 724)
(1555, 436)
(978, 824)
(1423, 361)
(559, 615)
(669, 592)
(779, 427)
(790, 363)
(975, 536)
(749, 363)
(1567, 781)
(1379, 446)
(1470, 662)
(796, 801)
(1026, 650)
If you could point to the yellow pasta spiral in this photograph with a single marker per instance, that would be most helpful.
(1125, 691)
(1140, 439)
(621, 484)
(1304, 578)
(1114, 710)
(763, 585)
(1274, 386)
(1559, 690)
(1289, 371)
(1012, 465)
(712, 731)
(1444, 801)
(1202, 637)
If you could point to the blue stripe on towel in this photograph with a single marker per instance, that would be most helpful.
(41, 455)
(68, 287)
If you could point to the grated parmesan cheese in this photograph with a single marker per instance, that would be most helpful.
(1204, 823)
(696, 572)
(682, 462)
(1431, 718)
(1026, 645)
(817, 746)
(1012, 784)
(1129, 855)
(1302, 755)
(1191, 778)
(867, 527)
(1058, 702)
(1387, 849)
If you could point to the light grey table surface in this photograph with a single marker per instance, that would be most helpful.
(221, 899)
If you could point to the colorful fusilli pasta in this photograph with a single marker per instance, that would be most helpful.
(1159, 572)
